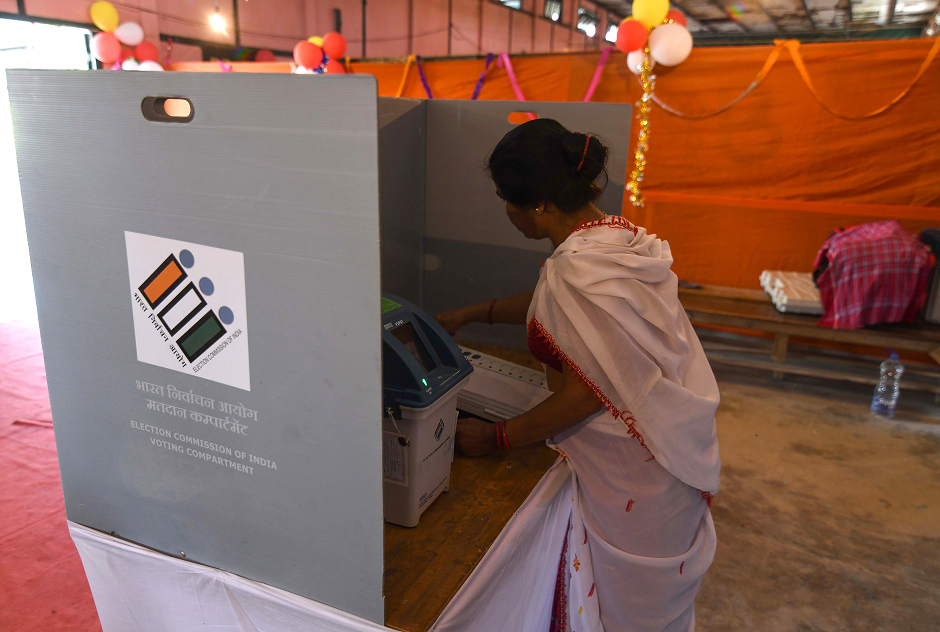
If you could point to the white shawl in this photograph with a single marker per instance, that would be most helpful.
(608, 303)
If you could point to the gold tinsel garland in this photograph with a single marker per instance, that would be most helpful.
(644, 105)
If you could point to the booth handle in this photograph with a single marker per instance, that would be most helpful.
(167, 109)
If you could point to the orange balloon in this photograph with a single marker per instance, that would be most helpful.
(334, 67)
(264, 55)
(676, 16)
(308, 55)
(146, 51)
(334, 45)
(106, 47)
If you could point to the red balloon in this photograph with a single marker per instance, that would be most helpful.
(334, 67)
(264, 55)
(631, 36)
(308, 54)
(676, 16)
(146, 51)
(334, 45)
(127, 53)
(106, 47)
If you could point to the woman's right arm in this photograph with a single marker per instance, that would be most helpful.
(510, 310)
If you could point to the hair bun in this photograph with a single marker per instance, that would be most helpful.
(572, 144)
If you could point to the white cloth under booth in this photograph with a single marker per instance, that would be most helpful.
(138, 589)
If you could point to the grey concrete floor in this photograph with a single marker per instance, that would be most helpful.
(827, 518)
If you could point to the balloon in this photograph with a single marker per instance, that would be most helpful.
(149, 65)
(631, 35)
(334, 45)
(650, 12)
(677, 16)
(634, 60)
(264, 55)
(104, 16)
(146, 51)
(308, 55)
(670, 44)
(130, 64)
(129, 33)
(316, 39)
(335, 67)
(106, 47)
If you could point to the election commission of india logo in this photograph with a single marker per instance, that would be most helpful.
(189, 308)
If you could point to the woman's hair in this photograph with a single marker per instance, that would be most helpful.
(538, 161)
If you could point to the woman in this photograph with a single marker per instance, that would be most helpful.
(618, 533)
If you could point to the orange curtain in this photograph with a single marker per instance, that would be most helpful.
(761, 185)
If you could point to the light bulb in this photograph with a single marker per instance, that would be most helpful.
(590, 29)
(555, 16)
(217, 22)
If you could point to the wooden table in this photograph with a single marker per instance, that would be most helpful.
(425, 566)
(753, 310)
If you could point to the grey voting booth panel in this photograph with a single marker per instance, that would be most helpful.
(472, 251)
(402, 146)
(208, 299)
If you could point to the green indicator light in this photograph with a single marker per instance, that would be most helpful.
(424, 381)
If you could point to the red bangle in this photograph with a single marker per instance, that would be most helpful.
(489, 313)
(501, 440)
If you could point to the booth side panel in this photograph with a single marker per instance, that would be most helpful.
(473, 252)
(402, 138)
(208, 297)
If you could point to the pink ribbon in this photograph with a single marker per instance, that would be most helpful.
(511, 73)
(598, 71)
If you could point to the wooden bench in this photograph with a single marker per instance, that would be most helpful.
(753, 310)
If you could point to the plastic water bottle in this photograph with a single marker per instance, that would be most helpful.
(885, 399)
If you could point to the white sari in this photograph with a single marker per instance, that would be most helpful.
(625, 508)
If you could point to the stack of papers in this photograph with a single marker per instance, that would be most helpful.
(792, 292)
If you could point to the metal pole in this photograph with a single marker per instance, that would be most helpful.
(450, 24)
(238, 35)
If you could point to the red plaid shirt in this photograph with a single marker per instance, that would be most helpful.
(877, 273)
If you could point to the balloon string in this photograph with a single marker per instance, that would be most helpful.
(598, 71)
(514, 82)
(404, 75)
(424, 81)
(486, 70)
(642, 142)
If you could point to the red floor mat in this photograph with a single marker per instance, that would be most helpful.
(42, 582)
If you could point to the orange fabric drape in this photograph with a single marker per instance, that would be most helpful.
(762, 184)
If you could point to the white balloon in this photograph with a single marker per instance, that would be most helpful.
(130, 64)
(129, 33)
(635, 60)
(149, 65)
(670, 44)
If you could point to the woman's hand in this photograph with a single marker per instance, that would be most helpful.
(476, 437)
(455, 319)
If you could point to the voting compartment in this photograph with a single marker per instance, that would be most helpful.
(446, 240)
(208, 294)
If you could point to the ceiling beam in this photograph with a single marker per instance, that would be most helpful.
(892, 5)
(810, 17)
(682, 8)
(772, 19)
(718, 5)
